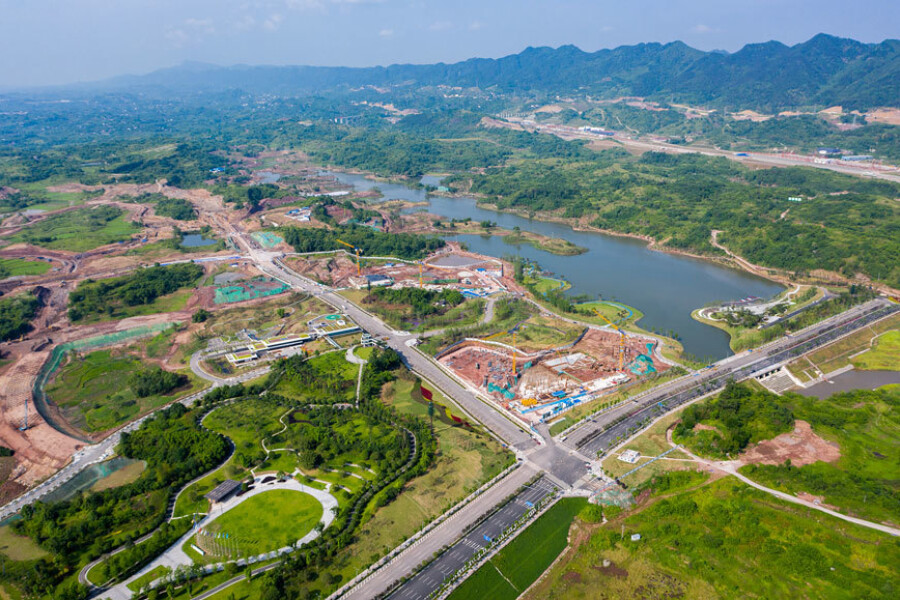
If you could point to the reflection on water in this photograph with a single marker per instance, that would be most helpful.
(87, 478)
(665, 287)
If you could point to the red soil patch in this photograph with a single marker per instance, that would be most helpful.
(802, 446)
(612, 570)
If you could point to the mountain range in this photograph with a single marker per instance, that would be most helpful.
(770, 76)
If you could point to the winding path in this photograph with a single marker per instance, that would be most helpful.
(729, 468)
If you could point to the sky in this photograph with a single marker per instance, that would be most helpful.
(63, 41)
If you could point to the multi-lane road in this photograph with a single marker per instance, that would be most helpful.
(562, 461)
(598, 434)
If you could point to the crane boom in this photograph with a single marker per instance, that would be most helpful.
(356, 250)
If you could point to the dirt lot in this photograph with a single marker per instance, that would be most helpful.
(802, 446)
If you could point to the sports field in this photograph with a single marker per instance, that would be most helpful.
(268, 521)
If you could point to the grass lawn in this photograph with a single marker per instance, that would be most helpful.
(92, 390)
(334, 381)
(17, 547)
(546, 284)
(19, 267)
(78, 230)
(540, 333)
(465, 460)
(865, 425)
(123, 476)
(724, 540)
(884, 355)
(149, 577)
(512, 570)
(364, 353)
(650, 443)
(267, 521)
(399, 316)
(164, 304)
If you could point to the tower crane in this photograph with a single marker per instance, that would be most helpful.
(357, 251)
(621, 338)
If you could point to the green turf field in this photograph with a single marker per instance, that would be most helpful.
(514, 568)
(268, 521)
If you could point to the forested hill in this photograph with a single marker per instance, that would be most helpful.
(770, 76)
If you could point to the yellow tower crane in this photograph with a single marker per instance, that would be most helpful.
(621, 338)
(420, 273)
(355, 249)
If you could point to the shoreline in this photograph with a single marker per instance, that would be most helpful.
(729, 259)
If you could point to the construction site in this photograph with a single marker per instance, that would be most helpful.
(539, 385)
(475, 276)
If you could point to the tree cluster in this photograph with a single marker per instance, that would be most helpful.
(141, 287)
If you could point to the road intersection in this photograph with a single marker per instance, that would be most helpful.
(564, 461)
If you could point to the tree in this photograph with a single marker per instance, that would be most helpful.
(200, 315)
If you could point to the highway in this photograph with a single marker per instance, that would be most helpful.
(886, 173)
(600, 433)
(426, 581)
(562, 462)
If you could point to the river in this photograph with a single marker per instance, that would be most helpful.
(665, 287)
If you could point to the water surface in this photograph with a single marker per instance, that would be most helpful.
(665, 287)
(195, 240)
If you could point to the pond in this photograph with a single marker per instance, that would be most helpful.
(195, 240)
(87, 478)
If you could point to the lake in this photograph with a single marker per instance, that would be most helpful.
(665, 287)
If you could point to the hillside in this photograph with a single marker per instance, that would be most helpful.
(770, 76)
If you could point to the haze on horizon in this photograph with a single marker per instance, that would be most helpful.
(48, 42)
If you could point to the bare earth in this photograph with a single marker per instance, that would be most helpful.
(802, 446)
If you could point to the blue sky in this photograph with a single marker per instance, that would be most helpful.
(61, 41)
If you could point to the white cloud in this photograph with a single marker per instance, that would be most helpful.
(244, 22)
(304, 4)
(178, 37)
(701, 28)
(273, 22)
(440, 26)
(190, 30)
(200, 25)
(386, 32)
(475, 25)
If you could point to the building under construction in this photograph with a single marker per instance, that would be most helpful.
(539, 385)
